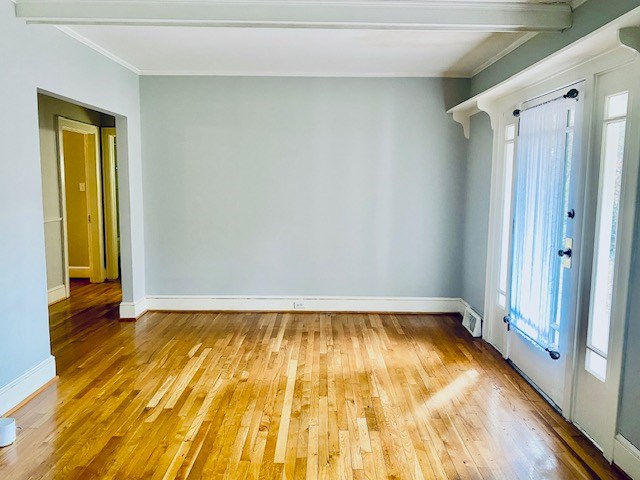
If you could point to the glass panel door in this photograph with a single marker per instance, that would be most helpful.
(546, 220)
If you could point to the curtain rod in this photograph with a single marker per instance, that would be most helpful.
(554, 354)
(573, 93)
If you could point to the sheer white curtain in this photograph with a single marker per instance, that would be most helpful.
(537, 235)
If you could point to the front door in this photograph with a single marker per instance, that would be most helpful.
(547, 217)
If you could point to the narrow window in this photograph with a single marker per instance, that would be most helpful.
(612, 157)
(509, 149)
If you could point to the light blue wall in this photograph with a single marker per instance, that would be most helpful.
(302, 186)
(477, 192)
(587, 18)
(33, 57)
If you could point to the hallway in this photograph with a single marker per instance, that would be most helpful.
(75, 321)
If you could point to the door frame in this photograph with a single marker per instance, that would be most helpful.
(618, 321)
(108, 135)
(498, 108)
(94, 200)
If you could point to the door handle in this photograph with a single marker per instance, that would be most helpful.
(567, 252)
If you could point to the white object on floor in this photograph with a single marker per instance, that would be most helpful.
(472, 322)
(7, 431)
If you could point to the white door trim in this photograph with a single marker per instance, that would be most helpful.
(94, 194)
(609, 410)
(108, 135)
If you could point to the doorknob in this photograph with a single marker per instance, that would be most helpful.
(567, 252)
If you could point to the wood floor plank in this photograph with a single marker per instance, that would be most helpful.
(283, 395)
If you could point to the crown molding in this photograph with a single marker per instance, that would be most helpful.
(73, 34)
(335, 74)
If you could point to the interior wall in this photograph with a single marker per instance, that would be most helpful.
(43, 57)
(303, 186)
(477, 193)
(49, 108)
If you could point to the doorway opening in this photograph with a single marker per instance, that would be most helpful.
(80, 199)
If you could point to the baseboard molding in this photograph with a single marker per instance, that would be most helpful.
(627, 457)
(79, 272)
(129, 310)
(306, 304)
(56, 294)
(27, 384)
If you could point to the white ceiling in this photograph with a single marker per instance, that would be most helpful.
(286, 51)
(251, 50)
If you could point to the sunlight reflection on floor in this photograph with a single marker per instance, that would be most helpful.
(456, 387)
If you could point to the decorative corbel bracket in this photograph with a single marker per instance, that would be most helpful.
(464, 119)
(463, 113)
(630, 37)
(490, 109)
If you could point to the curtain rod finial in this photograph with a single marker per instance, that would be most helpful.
(573, 93)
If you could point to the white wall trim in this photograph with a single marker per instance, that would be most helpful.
(56, 294)
(315, 74)
(27, 384)
(627, 457)
(309, 303)
(133, 309)
(82, 39)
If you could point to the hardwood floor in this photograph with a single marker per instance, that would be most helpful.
(248, 395)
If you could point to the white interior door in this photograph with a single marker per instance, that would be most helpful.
(547, 196)
(615, 155)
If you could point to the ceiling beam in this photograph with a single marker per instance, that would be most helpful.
(370, 14)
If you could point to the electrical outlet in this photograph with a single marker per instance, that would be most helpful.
(298, 305)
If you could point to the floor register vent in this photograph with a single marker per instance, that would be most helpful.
(472, 322)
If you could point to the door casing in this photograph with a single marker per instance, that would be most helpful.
(110, 202)
(499, 109)
(94, 197)
(609, 399)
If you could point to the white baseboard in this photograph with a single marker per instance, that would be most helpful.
(26, 384)
(133, 309)
(56, 294)
(626, 456)
(306, 303)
